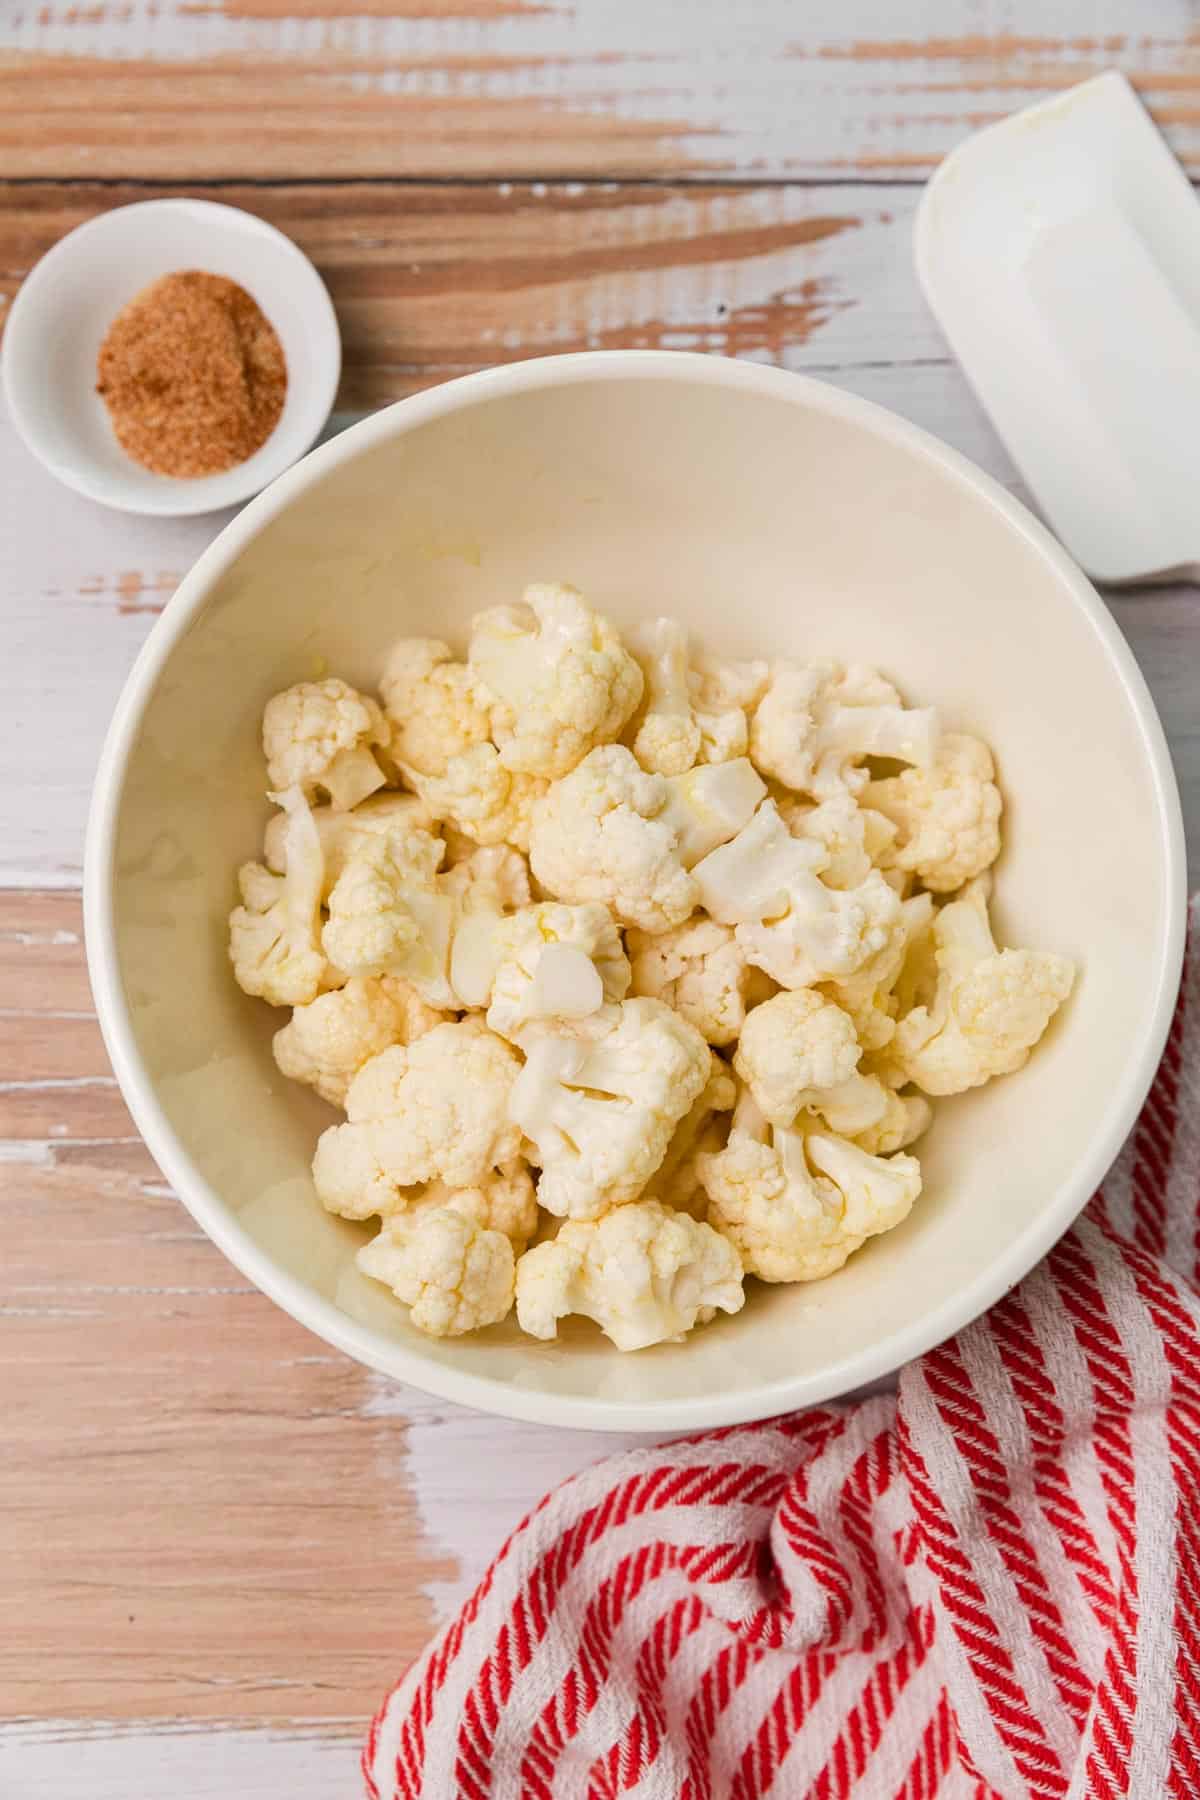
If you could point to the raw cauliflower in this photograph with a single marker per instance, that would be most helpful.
(556, 962)
(328, 1040)
(342, 833)
(710, 804)
(855, 838)
(436, 1110)
(904, 1119)
(797, 1053)
(390, 915)
(318, 736)
(435, 705)
(600, 1105)
(562, 675)
(796, 1206)
(703, 1128)
(645, 1274)
(990, 1006)
(787, 920)
(668, 736)
(275, 934)
(947, 815)
(724, 696)
(869, 994)
(453, 1274)
(818, 722)
(700, 970)
(486, 886)
(599, 835)
(480, 797)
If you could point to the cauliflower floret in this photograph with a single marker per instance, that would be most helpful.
(601, 1105)
(646, 1275)
(817, 723)
(274, 935)
(869, 994)
(787, 921)
(318, 735)
(480, 797)
(854, 837)
(724, 695)
(598, 835)
(389, 915)
(328, 1040)
(710, 804)
(796, 1206)
(947, 815)
(562, 674)
(556, 962)
(990, 1007)
(905, 1118)
(676, 1182)
(798, 1052)
(504, 1200)
(668, 737)
(342, 833)
(452, 1274)
(436, 706)
(436, 1110)
(701, 971)
(486, 886)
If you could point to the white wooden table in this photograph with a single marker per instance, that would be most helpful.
(218, 1539)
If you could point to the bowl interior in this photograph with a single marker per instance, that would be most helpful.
(772, 517)
(67, 304)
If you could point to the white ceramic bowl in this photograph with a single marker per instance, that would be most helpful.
(70, 298)
(773, 514)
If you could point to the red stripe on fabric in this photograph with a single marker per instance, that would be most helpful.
(948, 1379)
(969, 1614)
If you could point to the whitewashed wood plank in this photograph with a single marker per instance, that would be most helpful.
(392, 87)
(90, 1759)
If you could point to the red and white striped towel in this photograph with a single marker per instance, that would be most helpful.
(986, 1585)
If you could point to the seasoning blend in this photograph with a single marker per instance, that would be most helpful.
(193, 375)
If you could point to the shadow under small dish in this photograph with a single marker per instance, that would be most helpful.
(193, 375)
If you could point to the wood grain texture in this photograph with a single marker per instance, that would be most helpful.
(766, 88)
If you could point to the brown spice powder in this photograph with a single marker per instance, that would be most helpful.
(193, 375)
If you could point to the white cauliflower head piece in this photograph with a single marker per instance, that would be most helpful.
(724, 695)
(797, 1206)
(700, 970)
(818, 722)
(556, 962)
(947, 815)
(787, 920)
(390, 915)
(275, 934)
(668, 736)
(990, 1007)
(453, 1274)
(436, 1110)
(797, 1053)
(327, 1041)
(435, 705)
(599, 834)
(342, 833)
(480, 797)
(869, 994)
(563, 678)
(703, 1128)
(645, 1274)
(710, 804)
(318, 736)
(600, 1105)
(855, 838)
(486, 886)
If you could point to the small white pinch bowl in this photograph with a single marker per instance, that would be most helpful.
(775, 515)
(69, 299)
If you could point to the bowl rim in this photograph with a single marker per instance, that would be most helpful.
(805, 1387)
(181, 499)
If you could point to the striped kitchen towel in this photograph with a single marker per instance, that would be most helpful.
(985, 1585)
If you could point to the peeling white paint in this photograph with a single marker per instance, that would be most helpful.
(80, 1759)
